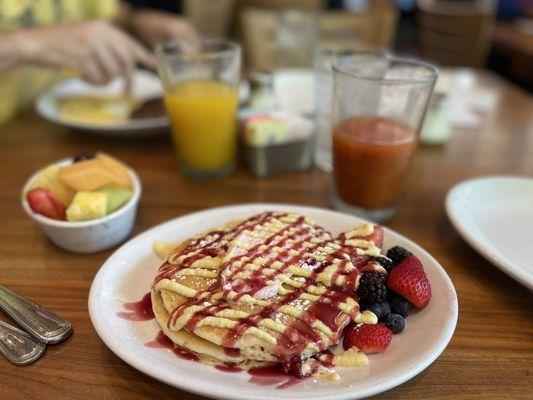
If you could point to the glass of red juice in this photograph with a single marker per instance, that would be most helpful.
(379, 104)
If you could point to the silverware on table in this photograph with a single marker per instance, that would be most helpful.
(44, 325)
(19, 347)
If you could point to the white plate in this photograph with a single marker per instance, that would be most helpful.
(127, 275)
(495, 216)
(145, 85)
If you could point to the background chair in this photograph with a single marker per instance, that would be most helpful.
(455, 33)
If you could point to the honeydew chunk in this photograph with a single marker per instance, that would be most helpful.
(119, 169)
(89, 175)
(48, 178)
(87, 205)
(116, 197)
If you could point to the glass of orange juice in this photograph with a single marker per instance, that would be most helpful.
(201, 97)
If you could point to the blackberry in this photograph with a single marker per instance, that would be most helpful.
(400, 305)
(385, 263)
(372, 288)
(397, 254)
(395, 323)
(83, 157)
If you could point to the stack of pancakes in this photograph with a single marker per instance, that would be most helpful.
(275, 287)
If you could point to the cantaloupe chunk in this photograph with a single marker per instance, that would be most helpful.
(88, 175)
(48, 178)
(118, 168)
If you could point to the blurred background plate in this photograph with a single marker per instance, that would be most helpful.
(145, 86)
(495, 216)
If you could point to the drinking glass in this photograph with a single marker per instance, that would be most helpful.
(201, 97)
(379, 104)
(323, 60)
(295, 37)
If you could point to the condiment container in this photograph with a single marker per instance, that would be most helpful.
(277, 142)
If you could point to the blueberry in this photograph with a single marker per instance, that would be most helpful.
(376, 309)
(400, 305)
(385, 309)
(395, 323)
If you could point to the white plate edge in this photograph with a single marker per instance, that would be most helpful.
(502, 264)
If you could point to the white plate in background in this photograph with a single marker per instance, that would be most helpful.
(495, 216)
(128, 274)
(145, 86)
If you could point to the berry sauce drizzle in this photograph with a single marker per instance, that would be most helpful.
(139, 310)
(161, 341)
(228, 367)
(272, 375)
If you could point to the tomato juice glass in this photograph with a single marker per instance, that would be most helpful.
(379, 104)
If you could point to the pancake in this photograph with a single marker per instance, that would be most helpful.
(275, 287)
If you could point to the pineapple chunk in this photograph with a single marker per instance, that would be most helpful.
(87, 205)
(48, 179)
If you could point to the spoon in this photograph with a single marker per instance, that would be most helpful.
(19, 347)
(44, 325)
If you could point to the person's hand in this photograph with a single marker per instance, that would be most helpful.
(95, 49)
(156, 27)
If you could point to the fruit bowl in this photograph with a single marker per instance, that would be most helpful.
(87, 236)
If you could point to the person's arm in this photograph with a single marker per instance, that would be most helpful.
(155, 27)
(95, 49)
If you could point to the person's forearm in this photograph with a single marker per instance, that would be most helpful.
(17, 48)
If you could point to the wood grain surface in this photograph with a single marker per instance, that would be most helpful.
(489, 357)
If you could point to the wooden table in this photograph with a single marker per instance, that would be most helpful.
(490, 356)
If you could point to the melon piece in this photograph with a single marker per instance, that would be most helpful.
(118, 168)
(89, 175)
(48, 178)
(87, 205)
(116, 197)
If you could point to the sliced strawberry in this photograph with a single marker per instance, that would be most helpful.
(44, 202)
(409, 279)
(368, 338)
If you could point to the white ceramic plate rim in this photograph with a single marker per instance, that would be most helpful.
(101, 325)
(46, 103)
(468, 234)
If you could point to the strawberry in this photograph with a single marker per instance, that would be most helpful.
(409, 279)
(44, 202)
(368, 338)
